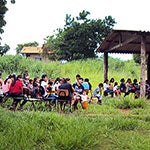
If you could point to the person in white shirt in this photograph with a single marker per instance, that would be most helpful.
(43, 84)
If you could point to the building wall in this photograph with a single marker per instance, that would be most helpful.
(35, 56)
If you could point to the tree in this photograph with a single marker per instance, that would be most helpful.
(137, 58)
(20, 46)
(80, 36)
(4, 49)
(3, 10)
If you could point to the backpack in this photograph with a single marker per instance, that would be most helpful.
(41, 90)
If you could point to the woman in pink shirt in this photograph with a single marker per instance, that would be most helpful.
(7, 83)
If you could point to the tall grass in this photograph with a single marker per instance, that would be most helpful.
(98, 127)
(41, 130)
(89, 68)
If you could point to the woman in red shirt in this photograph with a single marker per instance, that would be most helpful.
(16, 90)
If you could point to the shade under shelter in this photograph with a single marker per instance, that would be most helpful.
(128, 42)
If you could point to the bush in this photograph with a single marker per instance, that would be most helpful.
(127, 103)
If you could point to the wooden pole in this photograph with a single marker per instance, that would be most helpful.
(105, 65)
(143, 64)
(148, 67)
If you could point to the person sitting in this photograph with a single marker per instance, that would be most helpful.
(16, 90)
(122, 86)
(129, 87)
(7, 83)
(86, 85)
(107, 88)
(51, 93)
(30, 86)
(78, 91)
(98, 93)
(36, 91)
(66, 85)
(111, 83)
(136, 88)
(1, 83)
(43, 85)
(57, 83)
(148, 89)
(116, 89)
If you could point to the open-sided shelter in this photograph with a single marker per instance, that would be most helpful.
(128, 42)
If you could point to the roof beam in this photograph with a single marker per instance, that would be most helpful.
(123, 43)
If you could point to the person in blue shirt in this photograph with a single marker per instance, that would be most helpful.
(98, 93)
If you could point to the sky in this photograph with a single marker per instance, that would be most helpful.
(34, 20)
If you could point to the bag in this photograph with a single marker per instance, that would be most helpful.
(41, 90)
(84, 104)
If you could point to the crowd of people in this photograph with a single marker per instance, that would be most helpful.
(80, 91)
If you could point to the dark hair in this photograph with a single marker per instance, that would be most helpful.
(56, 80)
(116, 83)
(106, 80)
(65, 80)
(10, 76)
(122, 80)
(86, 80)
(128, 80)
(50, 82)
(30, 80)
(100, 85)
(78, 76)
(112, 80)
(135, 81)
(34, 82)
(19, 76)
(15, 79)
(42, 78)
(44, 75)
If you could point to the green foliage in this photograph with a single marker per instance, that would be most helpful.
(4, 49)
(88, 68)
(124, 124)
(137, 58)
(126, 102)
(69, 42)
(3, 10)
(10, 64)
(80, 130)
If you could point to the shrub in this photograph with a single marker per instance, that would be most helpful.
(127, 103)
(122, 123)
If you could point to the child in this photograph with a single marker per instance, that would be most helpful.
(98, 93)
(116, 89)
(84, 100)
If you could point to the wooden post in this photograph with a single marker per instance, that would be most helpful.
(148, 67)
(143, 62)
(105, 65)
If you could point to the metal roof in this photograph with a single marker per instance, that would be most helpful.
(124, 41)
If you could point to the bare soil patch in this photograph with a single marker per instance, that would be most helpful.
(125, 110)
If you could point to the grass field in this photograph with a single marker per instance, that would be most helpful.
(117, 124)
(103, 126)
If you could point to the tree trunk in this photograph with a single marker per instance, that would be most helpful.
(143, 64)
(105, 65)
